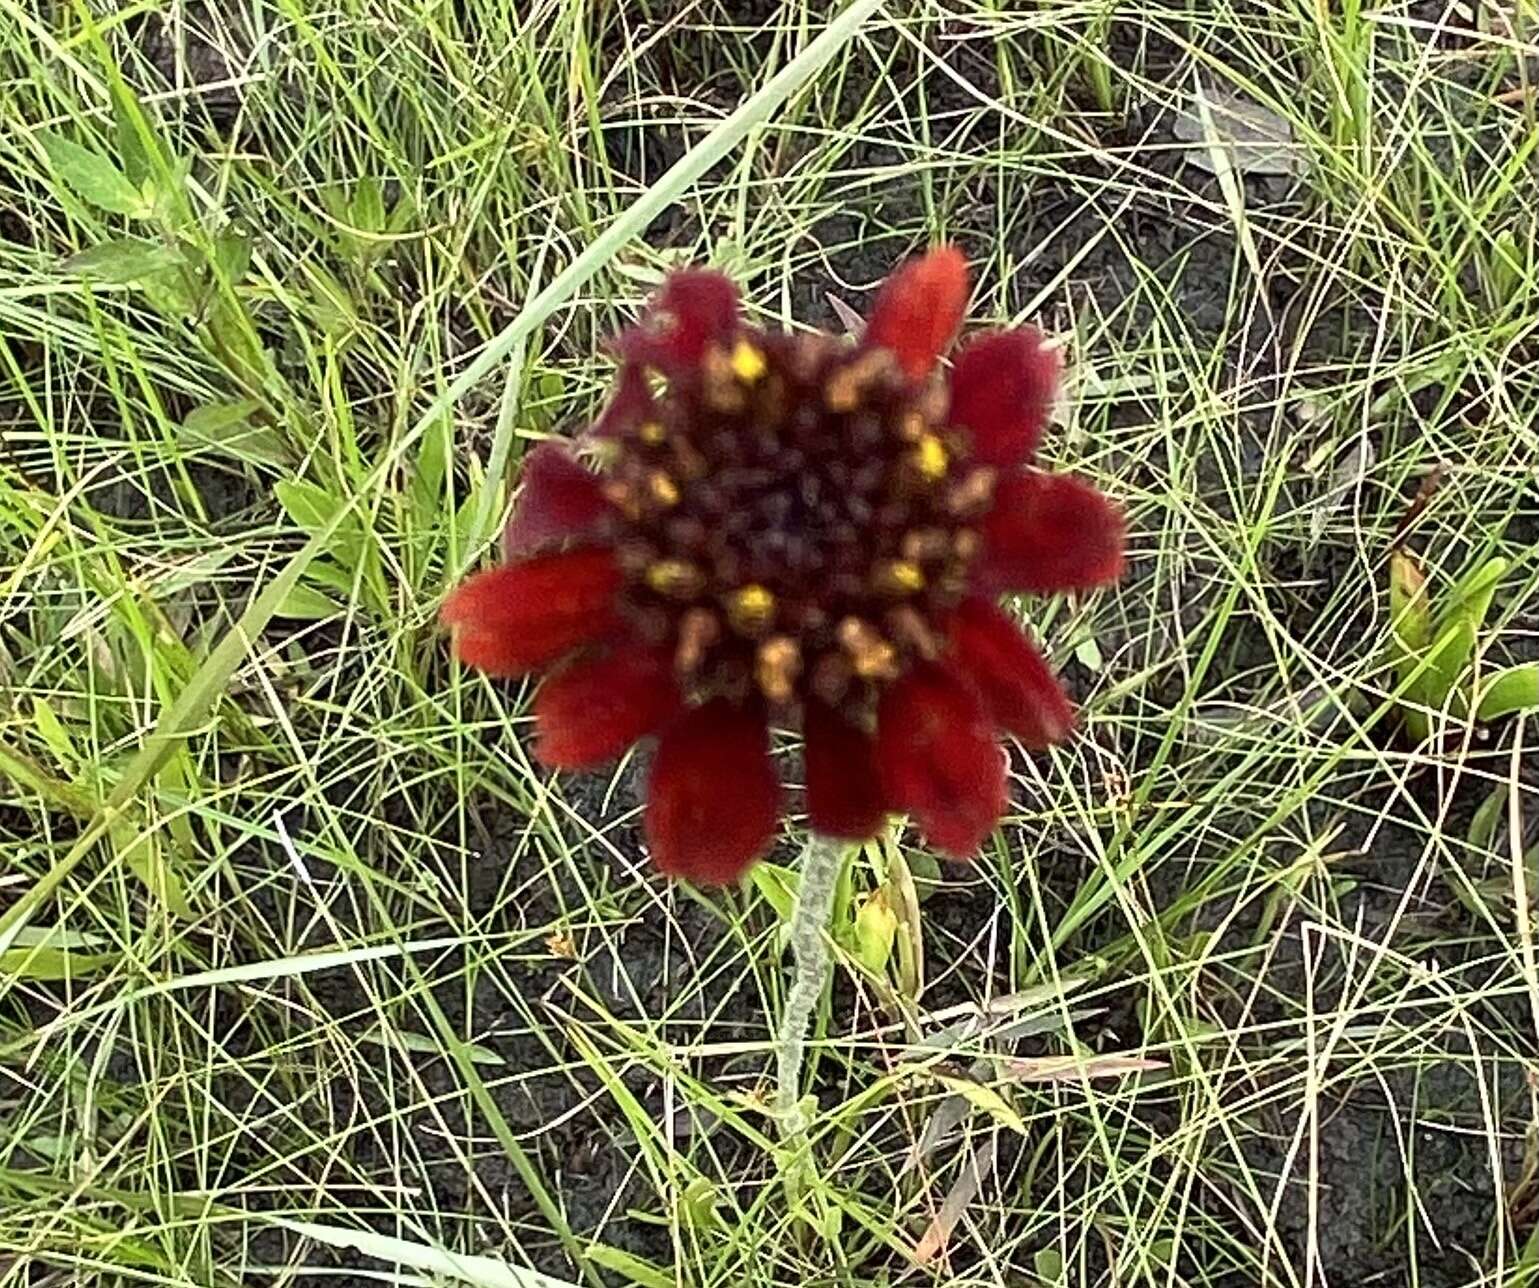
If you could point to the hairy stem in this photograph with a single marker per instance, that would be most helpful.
(810, 944)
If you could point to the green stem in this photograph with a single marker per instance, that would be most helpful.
(813, 949)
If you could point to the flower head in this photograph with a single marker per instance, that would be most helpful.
(797, 528)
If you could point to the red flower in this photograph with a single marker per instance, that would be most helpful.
(797, 528)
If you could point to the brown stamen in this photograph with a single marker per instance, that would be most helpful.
(897, 577)
(846, 388)
(909, 628)
(698, 630)
(778, 664)
(871, 656)
(676, 578)
(972, 493)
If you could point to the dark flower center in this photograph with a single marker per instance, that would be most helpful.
(797, 520)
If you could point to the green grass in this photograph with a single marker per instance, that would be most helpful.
(300, 953)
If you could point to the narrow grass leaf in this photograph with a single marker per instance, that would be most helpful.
(53, 953)
(636, 1271)
(1223, 166)
(421, 1044)
(483, 1272)
(138, 846)
(1073, 1068)
(1482, 829)
(983, 1098)
(975, 1172)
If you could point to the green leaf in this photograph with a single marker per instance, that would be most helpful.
(1464, 610)
(170, 293)
(53, 953)
(52, 963)
(368, 213)
(1450, 657)
(1483, 826)
(1048, 1264)
(403, 214)
(776, 886)
(1410, 613)
(983, 1098)
(876, 930)
(1505, 265)
(229, 427)
(311, 507)
(93, 178)
(140, 849)
(332, 306)
(928, 877)
(134, 147)
(635, 1271)
(52, 731)
(1508, 692)
(547, 399)
(1467, 602)
(58, 937)
(232, 255)
(697, 1205)
(432, 463)
(901, 893)
(123, 261)
(307, 604)
(323, 572)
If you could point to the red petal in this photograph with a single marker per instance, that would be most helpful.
(1016, 686)
(630, 404)
(939, 760)
(844, 793)
(559, 499)
(694, 307)
(514, 619)
(919, 308)
(713, 799)
(1049, 532)
(592, 710)
(1002, 388)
